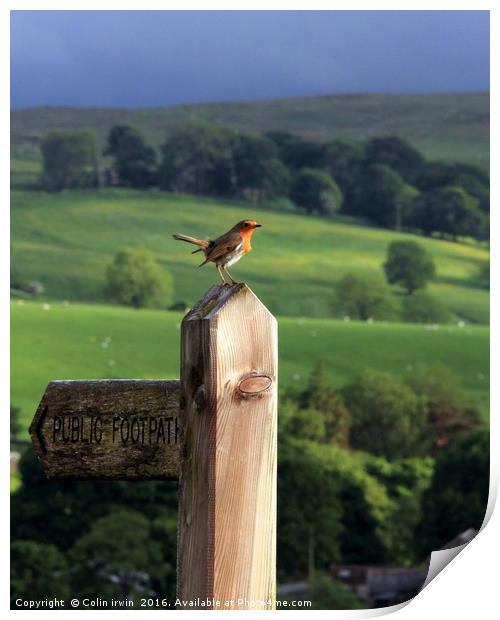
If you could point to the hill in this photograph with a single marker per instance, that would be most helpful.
(67, 240)
(61, 340)
(448, 126)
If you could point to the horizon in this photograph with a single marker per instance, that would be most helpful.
(253, 101)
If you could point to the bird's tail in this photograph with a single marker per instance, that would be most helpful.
(203, 243)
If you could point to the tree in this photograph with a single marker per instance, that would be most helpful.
(37, 571)
(316, 191)
(309, 509)
(67, 510)
(408, 264)
(382, 195)
(197, 158)
(380, 502)
(275, 181)
(297, 152)
(258, 173)
(475, 181)
(120, 556)
(449, 419)
(327, 593)
(320, 396)
(135, 279)
(420, 307)
(317, 413)
(435, 382)
(365, 297)
(301, 422)
(450, 211)
(405, 481)
(69, 160)
(134, 161)
(373, 528)
(344, 161)
(387, 418)
(458, 495)
(397, 154)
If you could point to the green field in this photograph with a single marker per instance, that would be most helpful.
(83, 341)
(445, 126)
(67, 240)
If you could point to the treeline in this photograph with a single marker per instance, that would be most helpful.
(381, 471)
(362, 469)
(383, 179)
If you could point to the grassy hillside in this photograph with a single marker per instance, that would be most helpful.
(91, 341)
(67, 240)
(450, 126)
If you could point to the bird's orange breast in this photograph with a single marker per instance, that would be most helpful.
(247, 235)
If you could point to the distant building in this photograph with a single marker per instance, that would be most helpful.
(298, 590)
(380, 586)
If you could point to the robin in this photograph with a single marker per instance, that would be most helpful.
(226, 249)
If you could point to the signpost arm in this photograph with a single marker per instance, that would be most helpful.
(228, 455)
(116, 429)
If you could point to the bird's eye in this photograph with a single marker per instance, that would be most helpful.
(246, 224)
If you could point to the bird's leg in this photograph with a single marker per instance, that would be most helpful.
(220, 273)
(230, 276)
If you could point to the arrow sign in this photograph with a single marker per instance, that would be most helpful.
(108, 430)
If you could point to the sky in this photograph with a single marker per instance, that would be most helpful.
(155, 58)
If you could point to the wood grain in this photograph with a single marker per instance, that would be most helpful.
(227, 509)
(108, 430)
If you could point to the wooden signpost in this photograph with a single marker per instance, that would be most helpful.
(215, 431)
(108, 430)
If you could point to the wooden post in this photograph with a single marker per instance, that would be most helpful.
(228, 453)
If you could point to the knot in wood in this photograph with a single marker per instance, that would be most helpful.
(199, 398)
(254, 384)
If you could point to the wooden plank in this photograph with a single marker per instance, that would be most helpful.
(228, 408)
(108, 430)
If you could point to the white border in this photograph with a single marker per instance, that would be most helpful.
(469, 585)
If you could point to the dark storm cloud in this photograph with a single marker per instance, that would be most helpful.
(142, 58)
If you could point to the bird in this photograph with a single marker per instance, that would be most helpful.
(226, 249)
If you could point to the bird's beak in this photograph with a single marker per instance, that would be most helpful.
(257, 225)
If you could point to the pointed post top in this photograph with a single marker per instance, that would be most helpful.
(216, 298)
